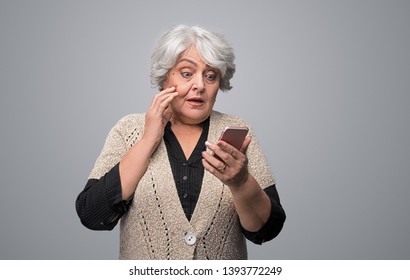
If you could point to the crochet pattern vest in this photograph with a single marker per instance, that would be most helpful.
(155, 226)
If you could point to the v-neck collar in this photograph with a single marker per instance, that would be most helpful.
(178, 153)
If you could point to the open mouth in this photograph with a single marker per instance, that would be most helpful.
(196, 101)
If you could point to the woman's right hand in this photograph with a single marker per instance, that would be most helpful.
(135, 162)
(158, 115)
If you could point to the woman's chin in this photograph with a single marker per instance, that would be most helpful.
(194, 116)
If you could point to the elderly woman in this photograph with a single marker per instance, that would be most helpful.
(179, 192)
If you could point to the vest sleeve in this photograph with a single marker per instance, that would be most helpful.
(113, 151)
(257, 163)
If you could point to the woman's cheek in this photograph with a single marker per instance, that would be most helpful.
(183, 88)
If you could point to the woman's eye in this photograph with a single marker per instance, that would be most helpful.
(186, 74)
(210, 76)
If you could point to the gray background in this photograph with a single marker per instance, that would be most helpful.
(325, 84)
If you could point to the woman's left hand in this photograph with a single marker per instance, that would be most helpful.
(227, 163)
(231, 167)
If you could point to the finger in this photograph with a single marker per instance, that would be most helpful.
(169, 90)
(161, 96)
(219, 160)
(164, 92)
(212, 169)
(166, 101)
(245, 144)
(235, 153)
(214, 162)
(228, 151)
(218, 152)
(161, 104)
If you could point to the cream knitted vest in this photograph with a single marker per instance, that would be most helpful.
(155, 227)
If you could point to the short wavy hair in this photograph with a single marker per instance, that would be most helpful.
(212, 48)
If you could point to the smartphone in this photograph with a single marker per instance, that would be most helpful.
(234, 135)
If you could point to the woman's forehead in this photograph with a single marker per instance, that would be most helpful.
(192, 56)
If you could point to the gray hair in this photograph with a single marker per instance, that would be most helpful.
(212, 48)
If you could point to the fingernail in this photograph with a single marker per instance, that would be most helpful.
(207, 143)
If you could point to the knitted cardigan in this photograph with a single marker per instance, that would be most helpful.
(155, 226)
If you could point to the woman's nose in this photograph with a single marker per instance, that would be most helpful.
(199, 83)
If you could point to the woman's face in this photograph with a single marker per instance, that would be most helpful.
(197, 85)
